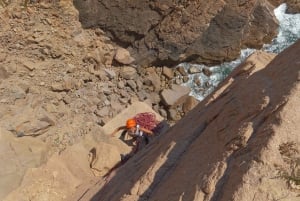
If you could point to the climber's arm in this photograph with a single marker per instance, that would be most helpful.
(118, 129)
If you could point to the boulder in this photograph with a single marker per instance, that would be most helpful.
(168, 72)
(189, 104)
(17, 155)
(152, 79)
(175, 96)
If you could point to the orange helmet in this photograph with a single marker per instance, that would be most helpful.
(130, 123)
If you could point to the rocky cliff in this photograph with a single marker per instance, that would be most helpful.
(58, 84)
(170, 32)
(241, 143)
(63, 89)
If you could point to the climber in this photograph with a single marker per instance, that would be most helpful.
(135, 131)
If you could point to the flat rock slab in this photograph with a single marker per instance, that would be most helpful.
(16, 156)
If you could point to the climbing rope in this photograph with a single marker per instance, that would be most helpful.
(146, 120)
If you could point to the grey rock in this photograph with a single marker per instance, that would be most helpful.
(194, 69)
(131, 84)
(121, 84)
(110, 73)
(128, 73)
(175, 96)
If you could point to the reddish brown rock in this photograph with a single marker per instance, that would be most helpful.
(293, 6)
(242, 144)
(123, 56)
(167, 32)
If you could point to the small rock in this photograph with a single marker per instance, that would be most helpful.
(123, 100)
(178, 81)
(71, 68)
(2, 56)
(132, 84)
(197, 80)
(29, 65)
(206, 72)
(123, 56)
(189, 104)
(152, 79)
(163, 113)
(194, 69)
(168, 72)
(123, 93)
(67, 99)
(106, 90)
(57, 87)
(172, 114)
(3, 73)
(102, 112)
(139, 84)
(185, 79)
(128, 73)
(175, 96)
(45, 5)
(142, 95)
(110, 73)
(121, 84)
(17, 92)
(182, 71)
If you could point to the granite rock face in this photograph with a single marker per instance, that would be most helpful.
(170, 32)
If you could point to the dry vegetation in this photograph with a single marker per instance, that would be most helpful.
(291, 173)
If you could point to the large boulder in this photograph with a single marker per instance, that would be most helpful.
(175, 96)
(17, 155)
(167, 32)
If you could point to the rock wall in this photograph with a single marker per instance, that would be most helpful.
(59, 84)
(170, 32)
(241, 143)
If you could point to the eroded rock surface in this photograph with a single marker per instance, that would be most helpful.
(59, 87)
(58, 84)
(170, 32)
(240, 143)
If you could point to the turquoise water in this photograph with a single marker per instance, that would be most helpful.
(289, 32)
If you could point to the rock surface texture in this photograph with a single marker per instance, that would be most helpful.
(63, 89)
(241, 143)
(169, 32)
(58, 84)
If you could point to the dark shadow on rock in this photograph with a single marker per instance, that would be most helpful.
(189, 145)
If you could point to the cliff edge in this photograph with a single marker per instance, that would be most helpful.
(240, 143)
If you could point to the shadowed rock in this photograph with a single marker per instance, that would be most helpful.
(229, 147)
(168, 33)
